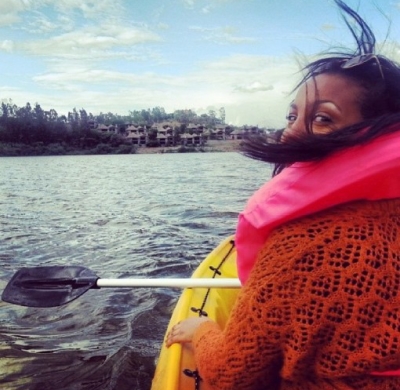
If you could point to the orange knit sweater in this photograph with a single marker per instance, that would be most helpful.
(320, 310)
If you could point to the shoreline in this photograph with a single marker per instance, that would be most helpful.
(20, 150)
(211, 146)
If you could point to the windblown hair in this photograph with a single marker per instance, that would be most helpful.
(379, 78)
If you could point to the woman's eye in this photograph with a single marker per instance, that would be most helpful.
(319, 118)
(291, 117)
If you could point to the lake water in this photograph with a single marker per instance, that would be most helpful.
(146, 216)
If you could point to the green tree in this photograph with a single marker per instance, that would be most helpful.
(83, 121)
(222, 115)
(185, 116)
(212, 117)
(158, 114)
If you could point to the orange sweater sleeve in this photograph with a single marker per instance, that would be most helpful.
(248, 353)
(320, 309)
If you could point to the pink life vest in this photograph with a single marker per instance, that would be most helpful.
(370, 171)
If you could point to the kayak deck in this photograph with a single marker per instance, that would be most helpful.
(176, 369)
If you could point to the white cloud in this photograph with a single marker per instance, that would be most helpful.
(15, 6)
(253, 89)
(12, 11)
(92, 42)
(328, 27)
(65, 23)
(40, 23)
(162, 26)
(7, 45)
(216, 85)
(81, 38)
(85, 76)
(207, 2)
(91, 9)
(255, 86)
(207, 9)
(189, 3)
(390, 49)
(244, 62)
(8, 19)
(222, 35)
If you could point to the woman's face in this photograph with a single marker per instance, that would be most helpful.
(327, 102)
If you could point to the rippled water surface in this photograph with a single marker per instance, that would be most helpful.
(146, 216)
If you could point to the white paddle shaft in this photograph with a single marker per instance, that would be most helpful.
(174, 283)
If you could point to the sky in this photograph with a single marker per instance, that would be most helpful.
(124, 55)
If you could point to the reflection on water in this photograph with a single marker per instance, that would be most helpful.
(121, 216)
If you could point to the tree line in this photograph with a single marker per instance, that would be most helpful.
(32, 126)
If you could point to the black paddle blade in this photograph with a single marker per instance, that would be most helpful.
(48, 286)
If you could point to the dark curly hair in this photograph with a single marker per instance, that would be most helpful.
(379, 78)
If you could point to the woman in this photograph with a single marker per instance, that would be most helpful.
(319, 245)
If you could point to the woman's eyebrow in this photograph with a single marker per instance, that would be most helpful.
(318, 102)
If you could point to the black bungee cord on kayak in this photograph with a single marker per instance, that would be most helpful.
(216, 271)
(195, 375)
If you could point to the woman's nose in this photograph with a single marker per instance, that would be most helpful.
(295, 128)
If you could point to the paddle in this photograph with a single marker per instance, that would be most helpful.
(57, 285)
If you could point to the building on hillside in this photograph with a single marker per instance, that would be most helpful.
(172, 124)
(252, 130)
(196, 129)
(168, 133)
(137, 139)
(163, 129)
(133, 134)
(245, 132)
(237, 134)
(107, 129)
(136, 134)
(165, 139)
(191, 139)
(92, 124)
(219, 133)
(138, 129)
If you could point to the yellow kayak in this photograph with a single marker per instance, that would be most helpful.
(176, 369)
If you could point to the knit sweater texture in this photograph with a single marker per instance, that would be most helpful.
(320, 310)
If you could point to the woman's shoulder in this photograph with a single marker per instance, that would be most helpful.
(343, 215)
(339, 231)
